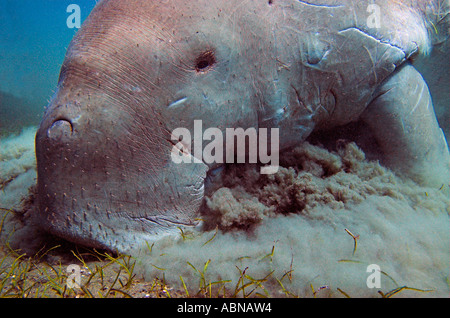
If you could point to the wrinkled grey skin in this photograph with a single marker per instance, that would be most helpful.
(139, 69)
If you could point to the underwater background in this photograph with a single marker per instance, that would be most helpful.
(34, 37)
(403, 227)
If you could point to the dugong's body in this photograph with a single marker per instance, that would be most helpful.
(137, 70)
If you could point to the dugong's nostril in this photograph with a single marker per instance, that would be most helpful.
(60, 129)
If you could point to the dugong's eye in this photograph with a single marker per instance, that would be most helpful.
(205, 61)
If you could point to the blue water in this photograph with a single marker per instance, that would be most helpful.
(33, 40)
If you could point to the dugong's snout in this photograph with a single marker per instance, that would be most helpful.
(106, 180)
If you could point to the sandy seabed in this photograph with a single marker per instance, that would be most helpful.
(294, 231)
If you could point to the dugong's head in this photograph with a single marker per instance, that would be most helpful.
(135, 72)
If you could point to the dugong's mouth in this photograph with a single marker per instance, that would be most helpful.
(106, 221)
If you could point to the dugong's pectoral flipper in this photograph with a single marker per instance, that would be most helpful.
(402, 118)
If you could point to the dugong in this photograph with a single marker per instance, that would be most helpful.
(139, 70)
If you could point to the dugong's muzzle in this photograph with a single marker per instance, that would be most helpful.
(105, 174)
